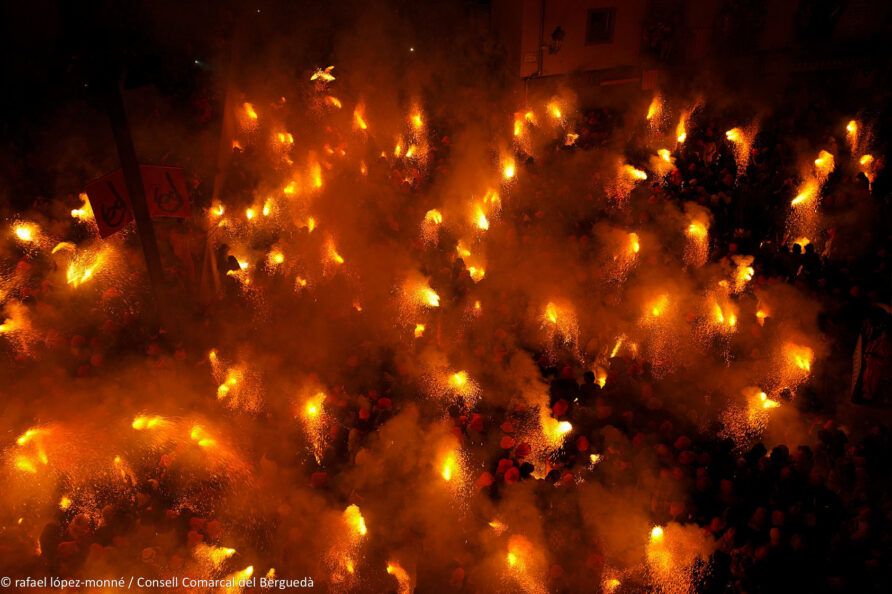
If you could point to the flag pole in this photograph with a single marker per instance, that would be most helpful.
(133, 178)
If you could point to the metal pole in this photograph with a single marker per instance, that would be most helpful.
(136, 190)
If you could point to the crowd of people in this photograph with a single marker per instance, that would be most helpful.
(807, 517)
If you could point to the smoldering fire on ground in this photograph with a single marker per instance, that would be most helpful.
(362, 400)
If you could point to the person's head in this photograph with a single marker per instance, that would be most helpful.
(797, 249)
(810, 248)
(589, 377)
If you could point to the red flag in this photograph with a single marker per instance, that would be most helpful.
(166, 195)
(166, 191)
(110, 202)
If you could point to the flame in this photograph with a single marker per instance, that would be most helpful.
(63, 245)
(866, 160)
(852, 127)
(594, 459)
(824, 165)
(462, 251)
(249, 111)
(657, 309)
(402, 577)
(276, 257)
(200, 436)
(767, 402)
(697, 230)
(498, 526)
(65, 502)
(29, 435)
(359, 120)
(213, 555)
(285, 138)
(250, 213)
(800, 356)
(508, 168)
(145, 422)
(518, 127)
(417, 122)
(419, 330)
(83, 267)
(654, 109)
(26, 232)
(354, 520)
(410, 152)
(553, 430)
(656, 534)
(449, 467)
(333, 101)
(9, 325)
(680, 130)
(734, 135)
(268, 207)
(25, 465)
(433, 216)
(634, 173)
(480, 219)
(314, 405)
(665, 155)
(808, 192)
(429, 297)
(316, 173)
(555, 110)
(551, 312)
(459, 379)
(323, 75)
(476, 273)
(333, 253)
(634, 244)
(85, 212)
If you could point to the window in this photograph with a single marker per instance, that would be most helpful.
(599, 27)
